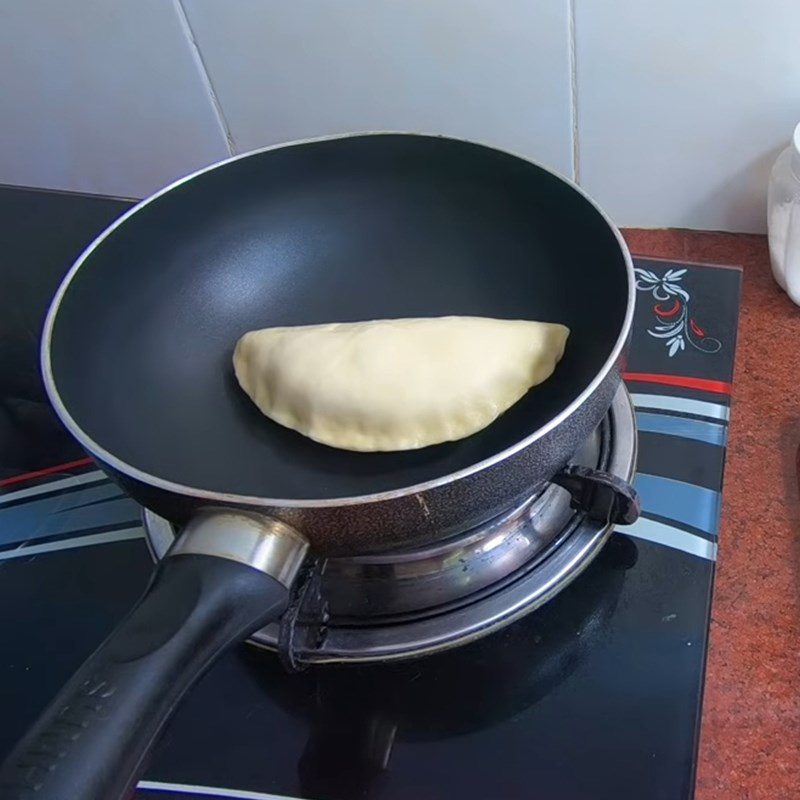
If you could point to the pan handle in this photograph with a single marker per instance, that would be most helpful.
(225, 577)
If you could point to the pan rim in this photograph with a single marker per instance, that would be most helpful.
(95, 449)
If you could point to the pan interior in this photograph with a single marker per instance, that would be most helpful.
(339, 230)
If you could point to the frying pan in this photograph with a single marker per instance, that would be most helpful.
(136, 357)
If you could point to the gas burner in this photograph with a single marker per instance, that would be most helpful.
(412, 602)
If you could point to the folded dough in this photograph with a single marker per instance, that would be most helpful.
(396, 384)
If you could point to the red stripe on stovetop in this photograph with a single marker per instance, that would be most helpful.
(701, 384)
(39, 473)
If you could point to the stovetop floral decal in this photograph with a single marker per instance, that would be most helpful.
(675, 325)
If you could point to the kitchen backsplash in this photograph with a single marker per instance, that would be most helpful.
(669, 114)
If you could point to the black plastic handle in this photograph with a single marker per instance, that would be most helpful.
(91, 742)
(600, 495)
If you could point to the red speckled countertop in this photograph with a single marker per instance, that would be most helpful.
(750, 735)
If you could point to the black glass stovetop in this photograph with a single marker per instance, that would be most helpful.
(596, 695)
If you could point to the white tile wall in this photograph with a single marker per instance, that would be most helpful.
(683, 106)
(101, 97)
(497, 72)
(680, 106)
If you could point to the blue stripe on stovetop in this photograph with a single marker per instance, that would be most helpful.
(700, 430)
(52, 485)
(71, 543)
(74, 511)
(95, 506)
(682, 502)
(683, 405)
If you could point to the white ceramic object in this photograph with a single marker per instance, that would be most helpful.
(783, 218)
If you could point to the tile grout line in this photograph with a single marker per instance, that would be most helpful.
(183, 19)
(573, 99)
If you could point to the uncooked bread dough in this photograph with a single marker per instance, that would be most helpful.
(396, 384)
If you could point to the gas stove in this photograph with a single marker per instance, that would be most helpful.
(590, 692)
(419, 601)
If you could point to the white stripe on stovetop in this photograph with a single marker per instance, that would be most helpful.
(24, 551)
(700, 408)
(669, 536)
(209, 791)
(52, 486)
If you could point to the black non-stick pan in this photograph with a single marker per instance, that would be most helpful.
(137, 361)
